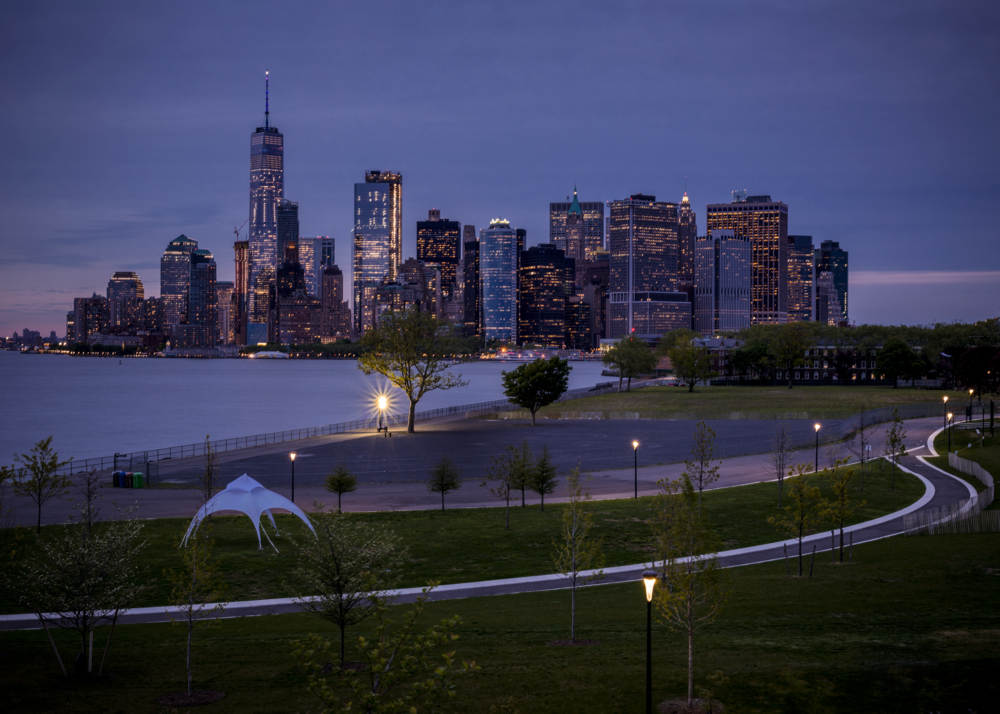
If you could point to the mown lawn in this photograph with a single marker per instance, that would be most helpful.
(984, 451)
(752, 402)
(911, 627)
(466, 545)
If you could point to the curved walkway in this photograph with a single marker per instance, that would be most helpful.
(941, 488)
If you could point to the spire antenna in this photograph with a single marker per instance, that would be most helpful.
(267, 108)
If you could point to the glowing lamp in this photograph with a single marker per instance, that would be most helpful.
(635, 444)
(649, 580)
(382, 403)
(949, 416)
(816, 427)
(292, 456)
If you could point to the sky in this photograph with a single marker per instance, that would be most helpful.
(127, 124)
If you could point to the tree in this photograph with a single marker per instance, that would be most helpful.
(523, 467)
(340, 481)
(781, 451)
(347, 570)
(207, 481)
(789, 346)
(543, 476)
(10, 535)
(576, 549)
(409, 348)
(699, 468)
(537, 384)
(503, 475)
(804, 512)
(755, 357)
(445, 478)
(694, 587)
(840, 508)
(843, 366)
(897, 361)
(197, 590)
(863, 442)
(631, 357)
(400, 673)
(37, 477)
(895, 444)
(691, 363)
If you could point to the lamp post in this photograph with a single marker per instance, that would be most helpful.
(635, 465)
(649, 580)
(946, 411)
(292, 456)
(816, 466)
(949, 433)
(382, 404)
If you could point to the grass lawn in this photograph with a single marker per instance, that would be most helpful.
(466, 545)
(985, 452)
(912, 626)
(753, 402)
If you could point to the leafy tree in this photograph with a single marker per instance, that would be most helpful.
(804, 512)
(789, 344)
(895, 444)
(537, 384)
(523, 467)
(897, 361)
(10, 535)
(690, 362)
(400, 672)
(37, 477)
(694, 587)
(700, 470)
(755, 357)
(781, 452)
(978, 368)
(197, 590)
(843, 366)
(840, 508)
(543, 476)
(859, 445)
(340, 481)
(577, 550)
(445, 478)
(631, 357)
(347, 570)
(503, 475)
(410, 349)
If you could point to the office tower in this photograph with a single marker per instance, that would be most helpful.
(543, 295)
(224, 301)
(722, 282)
(70, 327)
(175, 272)
(471, 292)
(801, 279)
(831, 259)
(578, 324)
(593, 224)
(124, 289)
(377, 240)
(325, 253)
(90, 317)
(203, 305)
(643, 269)
(687, 232)
(287, 222)
(498, 260)
(574, 231)
(307, 259)
(241, 291)
(152, 315)
(439, 243)
(765, 223)
(827, 299)
(267, 155)
(336, 313)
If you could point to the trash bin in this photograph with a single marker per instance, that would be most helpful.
(116, 479)
(138, 479)
(128, 480)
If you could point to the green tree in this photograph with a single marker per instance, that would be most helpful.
(839, 508)
(897, 361)
(537, 384)
(10, 534)
(410, 348)
(789, 345)
(197, 590)
(402, 670)
(695, 587)
(445, 478)
(340, 481)
(895, 444)
(347, 570)
(690, 362)
(523, 467)
(37, 478)
(503, 475)
(699, 468)
(576, 550)
(781, 451)
(805, 510)
(631, 357)
(755, 357)
(543, 475)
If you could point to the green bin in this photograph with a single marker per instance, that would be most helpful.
(137, 479)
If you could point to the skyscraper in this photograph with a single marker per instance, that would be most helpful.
(831, 259)
(827, 302)
(471, 290)
(439, 243)
(267, 171)
(203, 305)
(687, 232)
(125, 292)
(378, 248)
(545, 281)
(575, 232)
(241, 291)
(801, 279)
(287, 222)
(593, 224)
(643, 247)
(765, 223)
(722, 282)
(175, 275)
(224, 300)
(307, 259)
(336, 314)
(498, 261)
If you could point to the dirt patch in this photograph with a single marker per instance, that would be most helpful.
(196, 698)
(573, 643)
(679, 706)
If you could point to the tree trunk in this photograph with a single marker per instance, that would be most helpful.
(690, 387)
(190, 629)
(507, 527)
(108, 645)
(442, 500)
(339, 509)
(572, 613)
(410, 429)
(342, 646)
(543, 500)
(53, 643)
(893, 487)
(812, 562)
(39, 531)
(533, 416)
(522, 496)
(800, 554)
(619, 381)
(690, 662)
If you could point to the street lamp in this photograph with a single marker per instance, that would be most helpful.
(382, 404)
(635, 465)
(649, 580)
(949, 434)
(946, 409)
(292, 456)
(816, 467)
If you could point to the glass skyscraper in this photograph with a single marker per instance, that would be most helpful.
(175, 276)
(545, 284)
(439, 243)
(831, 259)
(722, 280)
(471, 291)
(593, 224)
(687, 232)
(377, 240)
(801, 279)
(498, 261)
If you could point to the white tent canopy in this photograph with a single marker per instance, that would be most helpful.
(247, 496)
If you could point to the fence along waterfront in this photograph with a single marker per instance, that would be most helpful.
(968, 516)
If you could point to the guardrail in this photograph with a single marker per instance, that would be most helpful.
(968, 516)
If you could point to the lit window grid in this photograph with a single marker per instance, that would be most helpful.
(498, 281)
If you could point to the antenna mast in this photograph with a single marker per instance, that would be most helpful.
(267, 108)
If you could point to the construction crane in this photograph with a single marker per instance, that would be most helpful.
(237, 230)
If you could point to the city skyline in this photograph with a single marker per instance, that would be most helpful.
(856, 141)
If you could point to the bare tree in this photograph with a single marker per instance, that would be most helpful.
(340, 481)
(895, 444)
(803, 513)
(832, 452)
(577, 550)
(502, 476)
(37, 477)
(700, 469)
(445, 478)
(208, 480)
(862, 443)
(781, 451)
(543, 475)
(90, 489)
(839, 508)
(524, 467)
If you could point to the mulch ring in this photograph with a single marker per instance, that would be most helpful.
(352, 666)
(195, 699)
(679, 706)
(573, 643)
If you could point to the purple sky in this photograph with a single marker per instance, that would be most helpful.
(127, 124)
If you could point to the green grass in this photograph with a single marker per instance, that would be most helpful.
(752, 402)
(985, 452)
(912, 626)
(466, 545)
